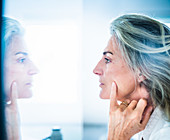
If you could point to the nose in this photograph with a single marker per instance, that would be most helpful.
(98, 69)
(33, 69)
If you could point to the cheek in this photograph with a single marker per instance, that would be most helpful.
(112, 75)
(126, 86)
(12, 75)
(124, 79)
(19, 77)
(9, 77)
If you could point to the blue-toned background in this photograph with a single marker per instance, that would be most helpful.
(66, 39)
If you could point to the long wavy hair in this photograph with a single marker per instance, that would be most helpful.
(145, 45)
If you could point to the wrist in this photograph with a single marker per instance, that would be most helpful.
(116, 137)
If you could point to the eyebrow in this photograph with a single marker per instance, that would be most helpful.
(24, 53)
(104, 53)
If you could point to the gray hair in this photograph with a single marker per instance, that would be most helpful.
(10, 28)
(145, 46)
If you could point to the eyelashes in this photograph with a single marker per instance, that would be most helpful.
(21, 60)
(107, 60)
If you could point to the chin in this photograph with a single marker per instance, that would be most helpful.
(24, 96)
(27, 94)
(104, 95)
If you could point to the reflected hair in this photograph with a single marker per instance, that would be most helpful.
(10, 28)
(145, 45)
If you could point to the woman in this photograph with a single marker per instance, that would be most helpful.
(18, 71)
(135, 69)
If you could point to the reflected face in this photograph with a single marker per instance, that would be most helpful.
(19, 68)
(112, 67)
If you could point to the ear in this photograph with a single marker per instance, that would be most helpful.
(141, 77)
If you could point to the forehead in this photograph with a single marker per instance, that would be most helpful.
(112, 46)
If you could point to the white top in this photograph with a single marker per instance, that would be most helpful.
(156, 129)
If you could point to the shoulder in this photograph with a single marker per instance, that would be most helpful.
(163, 133)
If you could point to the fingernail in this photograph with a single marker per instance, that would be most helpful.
(113, 83)
(143, 99)
(14, 83)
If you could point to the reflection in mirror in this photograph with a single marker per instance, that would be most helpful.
(52, 41)
(65, 91)
(18, 73)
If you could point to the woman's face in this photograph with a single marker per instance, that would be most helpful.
(113, 68)
(19, 68)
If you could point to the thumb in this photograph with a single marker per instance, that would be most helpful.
(14, 94)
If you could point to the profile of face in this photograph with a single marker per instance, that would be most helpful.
(113, 68)
(19, 68)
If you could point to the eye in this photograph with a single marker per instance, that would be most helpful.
(107, 60)
(21, 60)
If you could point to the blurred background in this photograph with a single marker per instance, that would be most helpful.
(66, 40)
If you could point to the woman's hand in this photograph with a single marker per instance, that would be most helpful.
(128, 118)
(12, 115)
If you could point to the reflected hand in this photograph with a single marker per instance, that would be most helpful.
(12, 115)
(128, 118)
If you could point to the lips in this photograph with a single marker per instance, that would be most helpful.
(101, 84)
(29, 84)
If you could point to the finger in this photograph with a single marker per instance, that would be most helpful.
(141, 106)
(124, 105)
(14, 94)
(133, 104)
(113, 98)
(147, 116)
